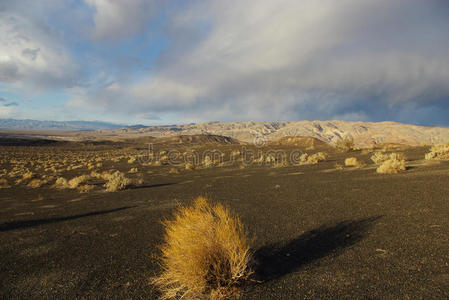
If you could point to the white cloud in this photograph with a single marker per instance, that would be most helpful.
(6, 111)
(30, 55)
(118, 18)
(284, 60)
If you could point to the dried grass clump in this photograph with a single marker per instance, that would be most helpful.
(189, 166)
(321, 156)
(395, 164)
(116, 182)
(205, 254)
(76, 181)
(85, 188)
(208, 162)
(379, 157)
(133, 170)
(4, 183)
(173, 171)
(345, 144)
(36, 183)
(306, 159)
(61, 183)
(354, 162)
(438, 152)
(28, 175)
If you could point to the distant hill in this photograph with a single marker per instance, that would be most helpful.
(298, 133)
(56, 125)
(364, 133)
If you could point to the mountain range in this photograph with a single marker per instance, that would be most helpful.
(56, 125)
(363, 133)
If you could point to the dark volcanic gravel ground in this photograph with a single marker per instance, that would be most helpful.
(320, 233)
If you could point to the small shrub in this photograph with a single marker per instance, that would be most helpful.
(28, 175)
(306, 159)
(208, 163)
(354, 162)
(303, 159)
(61, 183)
(36, 183)
(205, 254)
(76, 181)
(438, 152)
(321, 156)
(379, 157)
(395, 164)
(4, 183)
(85, 188)
(189, 166)
(270, 159)
(173, 171)
(133, 170)
(116, 182)
(345, 144)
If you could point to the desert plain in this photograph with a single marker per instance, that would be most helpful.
(320, 229)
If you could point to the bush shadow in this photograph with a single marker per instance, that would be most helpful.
(147, 186)
(31, 223)
(276, 260)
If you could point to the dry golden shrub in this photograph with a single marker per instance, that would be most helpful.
(345, 144)
(173, 171)
(76, 181)
(116, 182)
(4, 183)
(395, 164)
(189, 166)
(95, 174)
(208, 162)
(85, 188)
(321, 156)
(61, 183)
(133, 170)
(36, 183)
(27, 175)
(438, 152)
(205, 254)
(303, 159)
(354, 162)
(379, 157)
(306, 159)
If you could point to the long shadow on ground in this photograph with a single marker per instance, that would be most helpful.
(30, 223)
(276, 260)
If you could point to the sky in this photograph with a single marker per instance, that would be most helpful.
(171, 62)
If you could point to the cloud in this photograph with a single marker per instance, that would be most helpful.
(287, 60)
(11, 104)
(116, 18)
(33, 56)
(6, 112)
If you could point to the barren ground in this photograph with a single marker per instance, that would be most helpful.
(319, 233)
